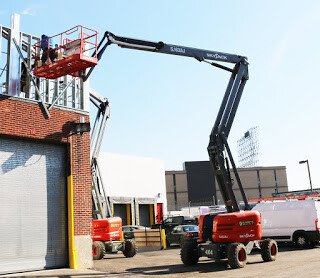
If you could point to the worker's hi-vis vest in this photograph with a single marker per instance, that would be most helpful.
(44, 42)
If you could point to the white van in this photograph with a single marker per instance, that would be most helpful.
(291, 221)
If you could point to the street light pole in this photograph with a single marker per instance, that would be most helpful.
(306, 161)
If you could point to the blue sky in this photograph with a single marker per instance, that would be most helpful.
(164, 106)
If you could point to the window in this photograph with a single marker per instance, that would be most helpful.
(177, 230)
(191, 229)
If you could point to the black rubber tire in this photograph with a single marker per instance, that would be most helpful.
(269, 250)
(301, 240)
(237, 255)
(168, 244)
(97, 250)
(130, 248)
(189, 252)
(313, 244)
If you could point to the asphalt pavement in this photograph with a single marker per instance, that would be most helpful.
(290, 262)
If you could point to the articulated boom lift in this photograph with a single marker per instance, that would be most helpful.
(101, 206)
(106, 230)
(230, 235)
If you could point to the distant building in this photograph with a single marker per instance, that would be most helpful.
(135, 187)
(196, 185)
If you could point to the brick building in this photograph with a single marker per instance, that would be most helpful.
(45, 175)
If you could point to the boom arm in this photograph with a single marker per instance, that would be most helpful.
(101, 206)
(218, 148)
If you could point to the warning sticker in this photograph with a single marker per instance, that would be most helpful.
(245, 223)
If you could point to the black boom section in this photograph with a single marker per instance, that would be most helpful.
(135, 42)
(218, 149)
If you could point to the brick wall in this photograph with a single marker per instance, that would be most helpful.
(25, 119)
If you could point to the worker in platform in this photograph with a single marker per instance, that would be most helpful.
(47, 46)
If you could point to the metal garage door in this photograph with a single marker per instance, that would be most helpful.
(33, 208)
(121, 211)
(144, 215)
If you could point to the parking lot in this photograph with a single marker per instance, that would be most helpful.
(291, 262)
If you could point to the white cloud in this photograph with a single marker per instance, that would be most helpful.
(28, 11)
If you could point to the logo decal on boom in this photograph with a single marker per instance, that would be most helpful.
(217, 56)
(177, 49)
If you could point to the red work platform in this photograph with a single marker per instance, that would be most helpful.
(71, 55)
(69, 65)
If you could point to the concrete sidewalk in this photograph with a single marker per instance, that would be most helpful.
(62, 272)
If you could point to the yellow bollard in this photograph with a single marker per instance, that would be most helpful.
(164, 241)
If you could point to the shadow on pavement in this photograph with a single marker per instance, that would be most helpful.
(79, 275)
(289, 247)
(206, 266)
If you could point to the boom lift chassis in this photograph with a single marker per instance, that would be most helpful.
(233, 234)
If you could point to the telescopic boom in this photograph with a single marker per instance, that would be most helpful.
(218, 148)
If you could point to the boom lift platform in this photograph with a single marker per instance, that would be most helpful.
(71, 56)
(230, 235)
(68, 54)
